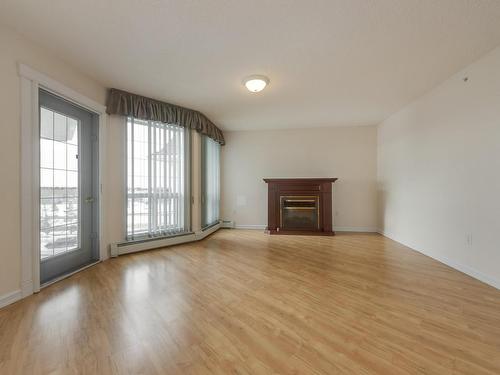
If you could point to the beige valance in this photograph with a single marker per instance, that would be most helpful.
(126, 104)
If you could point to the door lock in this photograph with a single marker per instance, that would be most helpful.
(89, 200)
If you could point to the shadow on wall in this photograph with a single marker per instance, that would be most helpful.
(381, 202)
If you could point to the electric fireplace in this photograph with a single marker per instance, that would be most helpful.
(300, 205)
(299, 211)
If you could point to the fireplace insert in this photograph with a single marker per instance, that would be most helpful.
(299, 212)
(300, 205)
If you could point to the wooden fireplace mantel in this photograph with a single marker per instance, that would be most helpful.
(317, 190)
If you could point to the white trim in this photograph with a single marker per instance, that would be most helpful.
(9, 298)
(31, 81)
(339, 229)
(28, 179)
(103, 132)
(356, 229)
(27, 288)
(451, 263)
(250, 226)
(60, 89)
(124, 166)
(30, 265)
(122, 248)
(195, 181)
(228, 224)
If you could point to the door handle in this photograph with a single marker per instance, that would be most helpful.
(89, 200)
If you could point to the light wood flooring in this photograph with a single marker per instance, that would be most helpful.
(242, 302)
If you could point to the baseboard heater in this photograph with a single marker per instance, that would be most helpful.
(229, 224)
(121, 248)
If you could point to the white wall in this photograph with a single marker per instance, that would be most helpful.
(348, 153)
(14, 49)
(439, 172)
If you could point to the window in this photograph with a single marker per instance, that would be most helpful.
(157, 179)
(210, 180)
(59, 184)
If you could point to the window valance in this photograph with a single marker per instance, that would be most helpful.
(126, 104)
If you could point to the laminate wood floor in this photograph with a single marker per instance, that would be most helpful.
(242, 302)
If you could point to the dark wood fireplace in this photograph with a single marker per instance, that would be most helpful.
(300, 206)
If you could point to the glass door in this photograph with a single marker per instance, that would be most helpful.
(68, 187)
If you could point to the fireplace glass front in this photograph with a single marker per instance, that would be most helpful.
(299, 212)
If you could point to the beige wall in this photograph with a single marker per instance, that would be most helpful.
(348, 153)
(439, 172)
(14, 49)
(115, 179)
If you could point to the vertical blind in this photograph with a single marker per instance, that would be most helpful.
(210, 181)
(157, 179)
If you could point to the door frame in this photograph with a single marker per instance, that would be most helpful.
(31, 81)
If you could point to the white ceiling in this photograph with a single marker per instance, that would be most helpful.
(331, 63)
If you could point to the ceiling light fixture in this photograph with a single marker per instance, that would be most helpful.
(256, 83)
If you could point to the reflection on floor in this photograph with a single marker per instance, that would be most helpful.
(242, 302)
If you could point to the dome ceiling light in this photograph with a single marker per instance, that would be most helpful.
(256, 83)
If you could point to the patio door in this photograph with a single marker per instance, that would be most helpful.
(68, 187)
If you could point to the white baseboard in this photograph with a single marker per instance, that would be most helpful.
(251, 226)
(128, 248)
(228, 224)
(339, 229)
(9, 298)
(355, 229)
(451, 263)
(27, 288)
